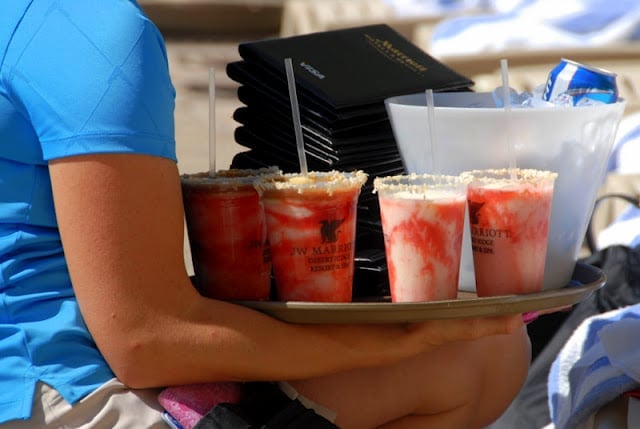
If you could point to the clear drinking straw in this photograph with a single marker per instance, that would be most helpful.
(212, 121)
(295, 113)
(507, 108)
(432, 131)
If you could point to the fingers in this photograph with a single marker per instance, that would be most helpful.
(438, 332)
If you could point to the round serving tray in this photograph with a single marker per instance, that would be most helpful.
(585, 280)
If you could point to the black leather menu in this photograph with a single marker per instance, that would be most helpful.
(342, 79)
(353, 67)
(267, 85)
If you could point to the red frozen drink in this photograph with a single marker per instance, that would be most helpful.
(311, 224)
(422, 221)
(509, 213)
(227, 234)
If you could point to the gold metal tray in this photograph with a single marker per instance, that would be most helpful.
(585, 280)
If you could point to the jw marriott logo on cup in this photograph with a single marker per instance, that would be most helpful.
(329, 230)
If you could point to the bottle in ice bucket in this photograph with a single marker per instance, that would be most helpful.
(577, 84)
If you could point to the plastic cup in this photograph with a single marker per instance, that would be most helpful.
(509, 212)
(575, 142)
(227, 234)
(311, 224)
(422, 222)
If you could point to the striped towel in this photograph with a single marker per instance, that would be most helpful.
(538, 24)
(600, 361)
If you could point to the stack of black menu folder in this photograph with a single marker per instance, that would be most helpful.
(342, 79)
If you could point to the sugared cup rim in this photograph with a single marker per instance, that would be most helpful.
(231, 176)
(312, 181)
(397, 183)
(504, 175)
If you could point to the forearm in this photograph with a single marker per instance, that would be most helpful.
(198, 340)
(121, 223)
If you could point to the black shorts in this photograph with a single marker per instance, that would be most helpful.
(263, 406)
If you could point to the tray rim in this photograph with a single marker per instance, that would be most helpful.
(406, 312)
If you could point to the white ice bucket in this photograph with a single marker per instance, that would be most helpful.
(472, 133)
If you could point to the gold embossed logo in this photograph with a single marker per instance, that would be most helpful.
(387, 49)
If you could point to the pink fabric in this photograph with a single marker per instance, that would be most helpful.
(633, 393)
(189, 403)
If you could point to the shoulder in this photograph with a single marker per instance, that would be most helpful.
(81, 68)
(81, 30)
(78, 48)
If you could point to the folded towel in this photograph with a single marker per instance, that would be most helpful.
(600, 361)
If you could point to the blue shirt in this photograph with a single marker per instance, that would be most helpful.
(76, 77)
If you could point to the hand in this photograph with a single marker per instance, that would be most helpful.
(438, 332)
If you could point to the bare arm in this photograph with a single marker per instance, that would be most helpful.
(121, 221)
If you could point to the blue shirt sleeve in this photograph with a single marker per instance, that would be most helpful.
(76, 77)
(101, 85)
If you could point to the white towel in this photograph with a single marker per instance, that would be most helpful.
(600, 361)
(539, 24)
